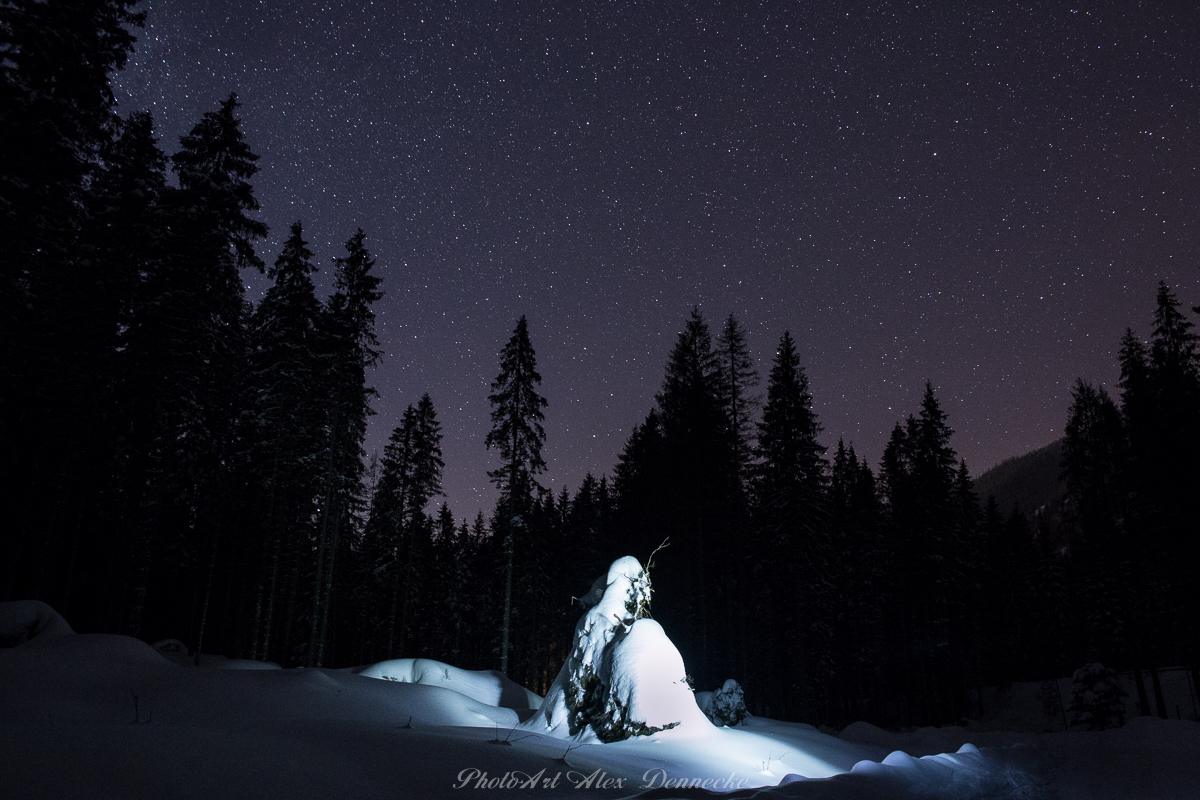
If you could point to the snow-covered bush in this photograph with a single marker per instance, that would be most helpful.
(636, 689)
(1097, 699)
(173, 646)
(728, 705)
(623, 676)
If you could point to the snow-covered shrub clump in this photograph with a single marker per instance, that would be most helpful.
(623, 676)
(726, 706)
(1097, 699)
(172, 646)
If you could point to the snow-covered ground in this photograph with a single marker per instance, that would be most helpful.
(102, 716)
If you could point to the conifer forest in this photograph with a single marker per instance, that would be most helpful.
(177, 461)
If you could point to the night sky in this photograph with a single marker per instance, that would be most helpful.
(976, 194)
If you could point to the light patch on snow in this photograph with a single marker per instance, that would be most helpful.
(489, 687)
(647, 679)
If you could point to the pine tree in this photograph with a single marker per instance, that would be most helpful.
(586, 550)
(349, 333)
(700, 506)
(639, 466)
(690, 399)
(436, 607)
(934, 459)
(457, 579)
(1093, 458)
(927, 564)
(398, 529)
(1094, 469)
(186, 351)
(517, 432)
(1173, 354)
(285, 431)
(427, 463)
(518, 435)
(1173, 460)
(737, 382)
(792, 466)
(792, 546)
(1135, 382)
(384, 535)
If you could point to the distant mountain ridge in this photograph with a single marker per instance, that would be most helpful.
(1028, 482)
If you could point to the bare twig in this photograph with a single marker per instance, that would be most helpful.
(563, 758)
(137, 714)
(505, 741)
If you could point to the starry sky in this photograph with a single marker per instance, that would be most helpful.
(982, 195)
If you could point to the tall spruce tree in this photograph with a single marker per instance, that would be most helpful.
(284, 431)
(349, 332)
(396, 528)
(791, 468)
(186, 349)
(517, 432)
(1094, 471)
(926, 563)
(700, 483)
(1174, 457)
(738, 379)
(792, 545)
(518, 435)
(855, 578)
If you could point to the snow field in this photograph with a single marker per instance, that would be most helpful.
(104, 716)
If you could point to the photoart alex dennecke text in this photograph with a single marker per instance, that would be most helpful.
(472, 778)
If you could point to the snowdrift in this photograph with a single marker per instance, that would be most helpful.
(24, 620)
(491, 687)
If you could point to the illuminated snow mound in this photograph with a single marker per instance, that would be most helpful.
(489, 687)
(623, 677)
(647, 682)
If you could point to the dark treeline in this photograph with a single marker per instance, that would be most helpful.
(835, 593)
(1128, 522)
(177, 463)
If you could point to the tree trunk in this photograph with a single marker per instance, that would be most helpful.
(328, 508)
(268, 535)
(212, 567)
(1143, 700)
(333, 548)
(1159, 704)
(277, 540)
(508, 543)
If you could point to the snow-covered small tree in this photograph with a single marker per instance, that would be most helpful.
(623, 677)
(729, 703)
(1097, 699)
(726, 706)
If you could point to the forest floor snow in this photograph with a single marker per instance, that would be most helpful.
(103, 716)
